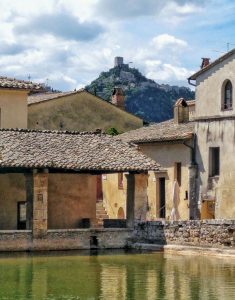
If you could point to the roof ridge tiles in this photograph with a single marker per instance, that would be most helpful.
(73, 132)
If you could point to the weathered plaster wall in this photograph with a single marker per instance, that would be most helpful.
(12, 190)
(71, 197)
(221, 189)
(13, 109)
(114, 198)
(209, 233)
(216, 133)
(147, 186)
(166, 155)
(81, 112)
(209, 89)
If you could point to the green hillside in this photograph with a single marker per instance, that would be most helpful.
(144, 97)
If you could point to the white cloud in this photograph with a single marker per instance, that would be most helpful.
(159, 71)
(164, 41)
(43, 51)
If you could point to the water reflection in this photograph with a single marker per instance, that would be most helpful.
(116, 276)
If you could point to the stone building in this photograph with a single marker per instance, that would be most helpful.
(215, 131)
(58, 202)
(13, 101)
(48, 182)
(169, 143)
(83, 111)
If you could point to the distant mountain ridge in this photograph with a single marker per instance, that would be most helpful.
(145, 98)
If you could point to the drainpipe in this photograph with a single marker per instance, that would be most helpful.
(193, 150)
(193, 207)
(190, 83)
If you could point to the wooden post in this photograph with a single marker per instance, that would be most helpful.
(130, 200)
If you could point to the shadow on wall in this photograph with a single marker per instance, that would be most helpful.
(152, 232)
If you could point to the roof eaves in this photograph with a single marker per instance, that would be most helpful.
(54, 98)
(163, 140)
(214, 63)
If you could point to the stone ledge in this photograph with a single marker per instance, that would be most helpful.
(92, 230)
(185, 250)
(195, 250)
(14, 231)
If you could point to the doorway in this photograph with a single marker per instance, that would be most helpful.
(21, 215)
(162, 197)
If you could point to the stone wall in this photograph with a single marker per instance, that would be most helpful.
(208, 233)
(64, 239)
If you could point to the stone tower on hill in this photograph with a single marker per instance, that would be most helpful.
(118, 61)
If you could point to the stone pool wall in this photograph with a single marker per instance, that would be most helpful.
(64, 239)
(208, 233)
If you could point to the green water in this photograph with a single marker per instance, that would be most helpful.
(116, 276)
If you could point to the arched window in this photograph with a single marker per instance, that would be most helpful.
(228, 95)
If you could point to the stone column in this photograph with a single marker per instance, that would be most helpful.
(37, 197)
(193, 207)
(40, 198)
(29, 200)
(130, 200)
(141, 197)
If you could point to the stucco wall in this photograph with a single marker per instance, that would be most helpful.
(13, 109)
(12, 190)
(216, 133)
(166, 155)
(147, 187)
(222, 189)
(71, 197)
(81, 112)
(114, 198)
(209, 89)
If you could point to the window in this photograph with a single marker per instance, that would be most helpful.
(227, 95)
(120, 181)
(214, 161)
(177, 172)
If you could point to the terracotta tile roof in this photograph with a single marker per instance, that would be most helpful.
(214, 63)
(159, 132)
(37, 98)
(22, 148)
(12, 83)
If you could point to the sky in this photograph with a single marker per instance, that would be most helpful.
(67, 43)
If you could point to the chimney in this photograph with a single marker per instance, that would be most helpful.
(118, 97)
(181, 111)
(205, 62)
